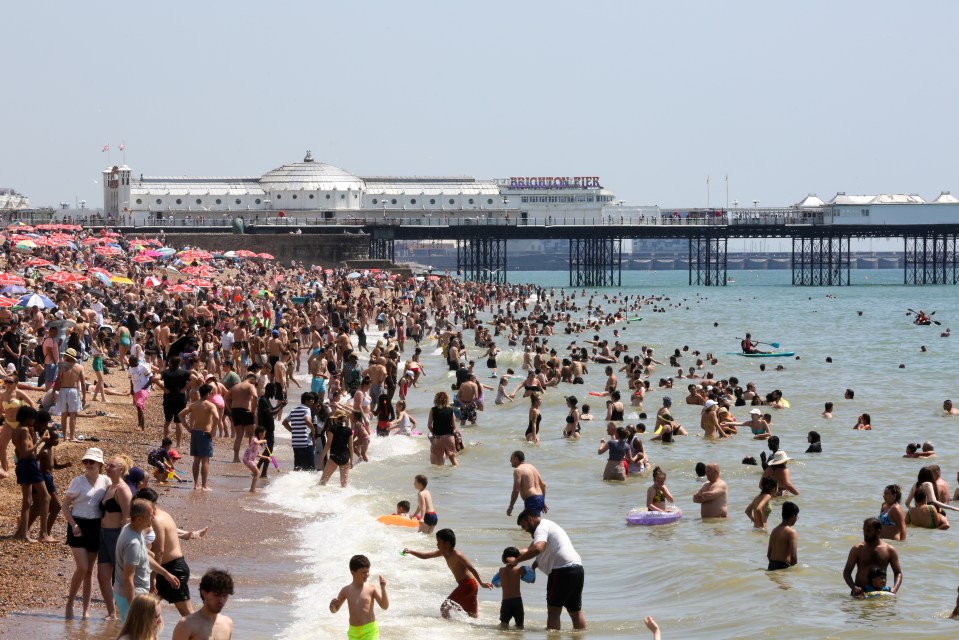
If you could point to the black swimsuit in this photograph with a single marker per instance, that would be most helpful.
(529, 429)
(616, 414)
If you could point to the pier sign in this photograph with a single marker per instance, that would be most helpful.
(555, 182)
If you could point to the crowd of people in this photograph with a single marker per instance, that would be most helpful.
(221, 338)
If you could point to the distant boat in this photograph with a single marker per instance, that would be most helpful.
(730, 279)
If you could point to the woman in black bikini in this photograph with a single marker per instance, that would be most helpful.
(572, 420)
(616, 409)
(535, 417)
(339, 447)
(115, 507)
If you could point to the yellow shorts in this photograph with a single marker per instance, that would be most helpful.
(368, 631)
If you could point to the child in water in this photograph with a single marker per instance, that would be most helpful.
(501, 394)
(877, 582)
(360, 597)
(252, 455)
(508, 577)
(404, 421)
(424, 505)
(657, 495)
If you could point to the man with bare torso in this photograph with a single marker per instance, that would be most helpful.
(216, 586)
(241, 399)
(377, 373)
(872, 552)
(167, 553)
(204, 418)
(712, 495)
(528, 484)
(71, 389)
(467, 395)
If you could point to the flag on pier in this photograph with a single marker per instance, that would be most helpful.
(106, 147)
(122, 146)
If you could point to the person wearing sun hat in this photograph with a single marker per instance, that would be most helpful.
(81, 510)
(709, 421)
(71, 390)
(777, 470)
(756, 424)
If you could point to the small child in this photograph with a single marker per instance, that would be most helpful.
(502, 395)
(877, 582)
(508, 577)
(585, 414)
(161, 461)
(253, 455)
(464, 595)
(657, 495)
(403, 509)
(404, 385)
(360, 597)
(424, 505)
(404, 421)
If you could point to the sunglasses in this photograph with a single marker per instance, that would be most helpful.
(86, 462)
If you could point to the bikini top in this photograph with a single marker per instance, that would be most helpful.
(12, 404)
(112, 506)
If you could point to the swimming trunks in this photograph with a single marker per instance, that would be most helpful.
(318, 385)
(28, 471)
(465, 596)
(98, 364)
(564, 588)
(776, 565)
(468, 412)
(181, 570)
(369, 631)
(534, 503)
(430, 519)
(68, 400)
(512, 608)
(140, 399)
(201, 444)
(48, 481)
(242, 417)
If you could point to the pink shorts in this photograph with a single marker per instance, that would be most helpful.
(140, 399)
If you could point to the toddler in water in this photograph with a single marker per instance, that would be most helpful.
(657, 495)
(403, 509)
(877, 582)
(424, 505)
(252, 455)
(360, 597)
(501, 394)
(404, 421)
(508, 577)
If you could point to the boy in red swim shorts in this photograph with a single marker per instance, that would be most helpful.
(464, 595)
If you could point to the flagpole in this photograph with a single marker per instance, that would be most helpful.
(707, 192)
(123, 148)
(727, 191)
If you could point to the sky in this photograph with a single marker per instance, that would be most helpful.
(783, 98)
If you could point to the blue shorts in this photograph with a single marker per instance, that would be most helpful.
(50, 373)
(534, 504)
(201, 444)
(318, 385)
(28, 471)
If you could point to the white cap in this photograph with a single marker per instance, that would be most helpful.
(710, 403)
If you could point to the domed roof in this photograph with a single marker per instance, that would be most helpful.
(310, 176)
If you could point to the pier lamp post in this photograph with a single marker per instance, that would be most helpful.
(506, 209)
(755, 204)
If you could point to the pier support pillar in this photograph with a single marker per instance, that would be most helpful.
(595, 262)
(820, 261)
(481, 259)
(930, 258)
(382, 244)
(707, 261)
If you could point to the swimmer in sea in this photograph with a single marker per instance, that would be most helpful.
(657, 495)
(782, 551)
(867, 554)
(815, 442)
(949, 409)
(759, 510)
(827, 414)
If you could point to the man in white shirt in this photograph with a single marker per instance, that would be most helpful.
(141, 377)
(556, 557)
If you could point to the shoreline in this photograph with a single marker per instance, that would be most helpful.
(243, 529)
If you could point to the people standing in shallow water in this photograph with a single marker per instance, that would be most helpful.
(619, 450)
(891, 516)
(815, 442)
(535, 417)
(782, 551)
(871, 552)
(712, 495)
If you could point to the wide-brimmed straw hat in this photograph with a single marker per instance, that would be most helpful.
(779, 457)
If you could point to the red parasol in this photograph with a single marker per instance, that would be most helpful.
(193, 254)
(151, 282)
(142, 258)
(243, 253)
(65, 277)
(8, 302)
(179, 288)
(199, 282)
(108, 251)
(201, 270)
(38, 262)
(265, 256)
(10, 278)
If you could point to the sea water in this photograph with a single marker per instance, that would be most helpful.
(698, 579)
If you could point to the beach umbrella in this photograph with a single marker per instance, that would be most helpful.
(13, 288)
(36, 300)
(179, 288)
(265, 256)
(121, 280)
(65, 277)
(193, 254)
(20, 226)
(103, 277)
(38, 262)
(166, 251)
(263, 293)
(7, 302)
(201, 270)
(25, 246)
(109, 250)
(353, 276)
(143, 258)
(199, 282)
(150, 253)
(89, 241)
(10, 278)
(47, 227)
(243, 253)
(151, 282)
(96, 270)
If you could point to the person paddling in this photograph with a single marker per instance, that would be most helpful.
(748, 345)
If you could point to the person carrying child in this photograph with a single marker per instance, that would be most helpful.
(360, 597)
(464, 595)
(508, 577)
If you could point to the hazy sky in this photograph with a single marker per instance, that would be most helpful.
(785, 98)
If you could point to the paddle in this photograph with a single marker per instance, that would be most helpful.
(774, 345)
